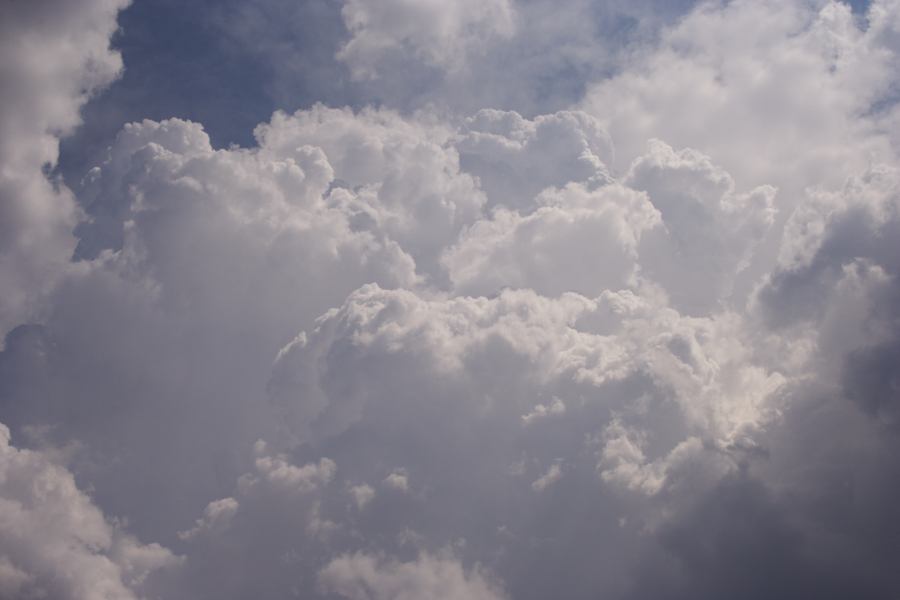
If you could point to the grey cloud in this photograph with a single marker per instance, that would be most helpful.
(871, 379)
(839, 277)
(737, 541)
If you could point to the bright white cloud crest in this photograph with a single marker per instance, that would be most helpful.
(627, 349)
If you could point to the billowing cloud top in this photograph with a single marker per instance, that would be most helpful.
(592, 299)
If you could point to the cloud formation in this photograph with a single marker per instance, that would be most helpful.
(53, 56)
(637, 339)
(360, 576)
(56, 543)
(436, 33)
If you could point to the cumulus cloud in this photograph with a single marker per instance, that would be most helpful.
(709, 231)
(622, 459)
(674, 218)
(276, 471)
(791, 83)
(541, 411)
(551, 476)
(394, 176)
(437, 33)
(639, 342)
(362, 494)
(701, 363)
(55, 542)
(175, 225)
(516, 158)
(595, 233)
(835, 288)
(625, 364)
(216, 515)
(361, 576)
(55, 55)
(532, 57)
(397, 480)
(267, 535)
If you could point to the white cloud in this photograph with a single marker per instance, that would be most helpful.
(394, 176)
(362, 495)
(367, 577)
(56, 543)
(217, 515)
(776, 92)
(623, 462)
(376, 287)
(437, 33)
(533, 57)
(239, 246)
(703, 365)
(397, 480)
(709, 231)
(581, 239)
(515, 158)
(53, 56)
(276, 471)
(542, 411)
(551, 476)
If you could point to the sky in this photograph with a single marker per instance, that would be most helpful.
(469, 300)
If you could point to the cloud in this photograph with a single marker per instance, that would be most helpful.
(394, 176)
(595, 232)
(362, 495)
(708, 552)
(622, 460)
(516, 158)
(56, 542)
(55, 55)
(550, 477)
(674, 218)
(792, 84)
(700, 363)
(268, 534)
(217, 514)
(454, 345)
(186, 244)
(437, 33)
(543, 411)
(361, 576)
(277, 472)
(836, 287)
(532, 57)
(709, 231)
(397, 480)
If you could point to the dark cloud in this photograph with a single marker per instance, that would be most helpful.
(737, 541)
